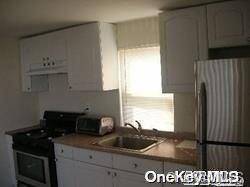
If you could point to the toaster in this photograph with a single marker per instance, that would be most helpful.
(94, 125)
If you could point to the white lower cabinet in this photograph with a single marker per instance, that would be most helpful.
(65, 172)
(172, 167)
(83, 168)
(127, 179)
(89, 175)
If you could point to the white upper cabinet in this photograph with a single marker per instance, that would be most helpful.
(34, 51)
(40, 56)
(183, 40)
(229, 24)
(87, 53)
(92, 55)
(44, 54)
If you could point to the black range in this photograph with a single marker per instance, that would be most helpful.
(34, 150)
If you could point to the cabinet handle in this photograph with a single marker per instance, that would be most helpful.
(90, 156)
(53, 63)
(115, 174)
(135, 165)
(56, 159)
(62, 151)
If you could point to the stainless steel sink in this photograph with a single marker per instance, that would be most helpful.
(129, 143)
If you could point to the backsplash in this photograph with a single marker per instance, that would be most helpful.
(60, 98)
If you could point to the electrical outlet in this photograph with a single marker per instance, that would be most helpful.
(87, 108)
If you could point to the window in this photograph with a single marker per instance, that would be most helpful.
(141, 93)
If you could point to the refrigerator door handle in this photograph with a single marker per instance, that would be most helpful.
(201, 127)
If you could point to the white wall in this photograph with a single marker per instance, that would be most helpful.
(59, 98)
(17, 109)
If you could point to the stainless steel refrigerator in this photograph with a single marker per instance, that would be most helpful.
(223, 115)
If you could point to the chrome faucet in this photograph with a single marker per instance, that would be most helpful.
(138, 130)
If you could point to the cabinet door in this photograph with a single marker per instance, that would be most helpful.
(65, 172)
(91, 175)
(34, 51)
(125, 179)
(58, 47)
(172, 167)
(84, 67)
(183, 41)
(228, 24)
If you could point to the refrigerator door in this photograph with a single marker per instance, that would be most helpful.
(225, 158)
(227, 87)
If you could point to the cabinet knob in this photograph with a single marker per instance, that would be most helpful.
(135, 165)
(62, 151)
(108, 172)
(47, 58)
(56, 159)
(70, 87)
(44, 58)
(115, 174)
(28, 88)
(48, 64)
(53, 63)
(44, 64)
(90, 156)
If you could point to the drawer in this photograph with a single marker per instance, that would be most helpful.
(136, 165)
(63, 151)
(93, 157)
(170, 167)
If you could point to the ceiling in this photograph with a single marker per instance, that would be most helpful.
(20, 18)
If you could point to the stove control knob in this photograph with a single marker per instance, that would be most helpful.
(49, 138)
(42, 131)
(28, 134)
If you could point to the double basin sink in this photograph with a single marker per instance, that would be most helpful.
(132, 143)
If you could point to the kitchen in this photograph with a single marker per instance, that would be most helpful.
(179, 34)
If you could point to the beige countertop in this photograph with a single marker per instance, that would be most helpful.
(169, 150)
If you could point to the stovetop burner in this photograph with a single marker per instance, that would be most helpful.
(43, 133)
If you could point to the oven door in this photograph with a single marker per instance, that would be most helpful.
(32, 169)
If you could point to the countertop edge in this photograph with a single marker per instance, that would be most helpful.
(90, 146)
(12, 132)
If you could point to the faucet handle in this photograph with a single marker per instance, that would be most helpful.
(156, 131)
(139, 125)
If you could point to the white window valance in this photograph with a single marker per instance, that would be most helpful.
(138, 33)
